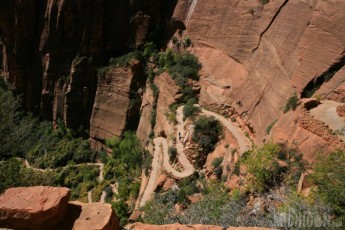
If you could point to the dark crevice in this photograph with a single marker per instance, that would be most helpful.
(135, 97)
(269, 25)
(316, 83)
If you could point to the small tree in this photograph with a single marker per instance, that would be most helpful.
(172, 151)
(190, 110)
(263, 166)
(329, 174)
(291, 103)
(207, 132)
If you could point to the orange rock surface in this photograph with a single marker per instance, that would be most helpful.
(33, 207)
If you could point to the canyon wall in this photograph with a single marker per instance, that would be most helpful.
(256, 55)
(52, 49)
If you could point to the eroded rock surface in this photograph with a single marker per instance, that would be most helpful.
(254, 56)
(33, 207)
(168, 92)
(300, 129)
(116, 103)
(47, 208)
(96, 216)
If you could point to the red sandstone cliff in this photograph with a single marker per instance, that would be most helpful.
(254, 56)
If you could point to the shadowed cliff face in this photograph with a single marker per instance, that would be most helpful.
(53, 48)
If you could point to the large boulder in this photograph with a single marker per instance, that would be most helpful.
(33, 207)
(95, 216)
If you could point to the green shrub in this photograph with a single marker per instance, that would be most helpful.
(13, 174)
(190, 110)
(217, 162)
(207, 132)
(263, 166)
(291, 103)
(128, 149)
(187, 42)
(15, 126)
(268, 129)
(181, 67)
(171, 117)
(172, 151)
(125, 59)
(329, 174)
(122, 211)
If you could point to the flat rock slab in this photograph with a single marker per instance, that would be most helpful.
(95, 216)
(37, 207)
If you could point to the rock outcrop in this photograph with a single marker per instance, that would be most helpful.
(146, 109)
(300, 129)
(254, 56)
(141, 226)
(48, 208)
(117, 101)
(168, 93)
(33, 207)
(95, 216)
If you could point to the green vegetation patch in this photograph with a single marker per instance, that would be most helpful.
(207, 133)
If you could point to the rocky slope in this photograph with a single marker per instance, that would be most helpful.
(48, 208)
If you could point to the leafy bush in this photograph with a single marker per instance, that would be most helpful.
(122, 211)
(190, 110)
(128, 149)
(14, 174)
(15, 126)
(217, 162)
(187, 42)
(58, 147)
(291, 103)
(171, 117)
(125, 59)
(329, 175)
(214, 209)
(207, 132)
(181, 67)
(172, 151)
(263, 166)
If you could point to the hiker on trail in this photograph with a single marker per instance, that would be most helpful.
(179, 136)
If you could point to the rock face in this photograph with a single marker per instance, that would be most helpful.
(96, 216)
(117, 101)
(300, 129)
(254, 56)
(33, 207)
(168, 93)
(48, 208)
(53, 48)
(141, 226)
(144, 127)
